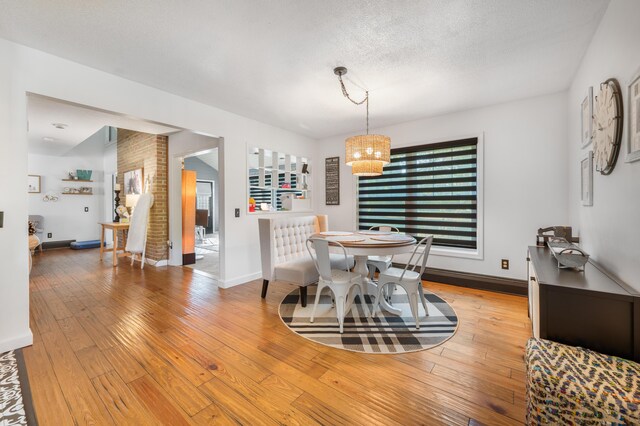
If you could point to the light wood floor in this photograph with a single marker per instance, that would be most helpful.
(166, 346)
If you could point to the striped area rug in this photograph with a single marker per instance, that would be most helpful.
(384, 334)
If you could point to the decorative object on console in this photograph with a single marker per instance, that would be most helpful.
(131, 200)
(565, 232)
(586, 180)
(633, 126)
(117, 202)
(33, 184)
(567, 254)
(587, 118)
(607, 126)
(123, 213)
(366, 154)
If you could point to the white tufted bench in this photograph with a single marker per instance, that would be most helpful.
(284, 252)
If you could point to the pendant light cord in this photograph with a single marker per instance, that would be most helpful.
(365, 100)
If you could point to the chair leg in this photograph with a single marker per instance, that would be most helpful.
(413, 302)
(340, 311)
(303, 296)
(265, 284)
(423, 299)
(315, 304)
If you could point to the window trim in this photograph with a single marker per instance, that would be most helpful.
(478, 252)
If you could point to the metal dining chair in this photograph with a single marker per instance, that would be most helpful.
(408, 278)
(340, 282)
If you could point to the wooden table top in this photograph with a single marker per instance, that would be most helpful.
(118, 225)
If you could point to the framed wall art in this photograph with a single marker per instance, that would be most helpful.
(586, 179)
(133, 181)
(332, 181)
(587, 119)
(33, 184)
(633, 119)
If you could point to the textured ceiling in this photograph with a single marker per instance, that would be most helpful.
(273, 60)
(81, 123)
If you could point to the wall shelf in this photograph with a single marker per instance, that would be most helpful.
(76, 180)
(76, 193)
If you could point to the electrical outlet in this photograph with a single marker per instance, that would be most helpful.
(86, 209)
(237, 212)
(49, 235)
(505, 263)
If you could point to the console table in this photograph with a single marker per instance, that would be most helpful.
(587, 309)
(114, 227)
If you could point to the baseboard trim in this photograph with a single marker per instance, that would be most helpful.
(477, 281)
(48, 245)
(16, 342)
(239, 280)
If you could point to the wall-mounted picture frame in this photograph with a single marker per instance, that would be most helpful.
(586, 180)
(33, 184)
(133, 181)
(633, 119)
(586, 114)
(332, 181)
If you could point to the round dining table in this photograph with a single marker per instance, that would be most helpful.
(362, 244)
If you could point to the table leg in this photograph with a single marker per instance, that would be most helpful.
(371, 287)
(115, 247)
(101, 241)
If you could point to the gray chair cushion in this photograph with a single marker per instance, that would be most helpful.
(302, 271)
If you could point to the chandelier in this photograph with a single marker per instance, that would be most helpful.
(366, 154)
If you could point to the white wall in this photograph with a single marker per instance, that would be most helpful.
(524, 175)
(66, 219)
(27, 70)
(609, 229)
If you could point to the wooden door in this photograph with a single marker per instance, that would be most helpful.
(188, 217)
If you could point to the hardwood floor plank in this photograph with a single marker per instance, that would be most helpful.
(123, 363)
(158, 403)
(120, 401)
(232, 400)
(93, 362)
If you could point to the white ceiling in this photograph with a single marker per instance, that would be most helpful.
(82, 122)
(273, 60)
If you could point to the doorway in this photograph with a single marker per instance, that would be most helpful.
(200, 189)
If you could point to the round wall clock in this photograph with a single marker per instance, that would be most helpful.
(607, 126)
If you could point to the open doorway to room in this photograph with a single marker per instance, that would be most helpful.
(204, 165)
(74, 159)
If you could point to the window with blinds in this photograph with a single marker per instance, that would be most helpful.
(426, 189)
